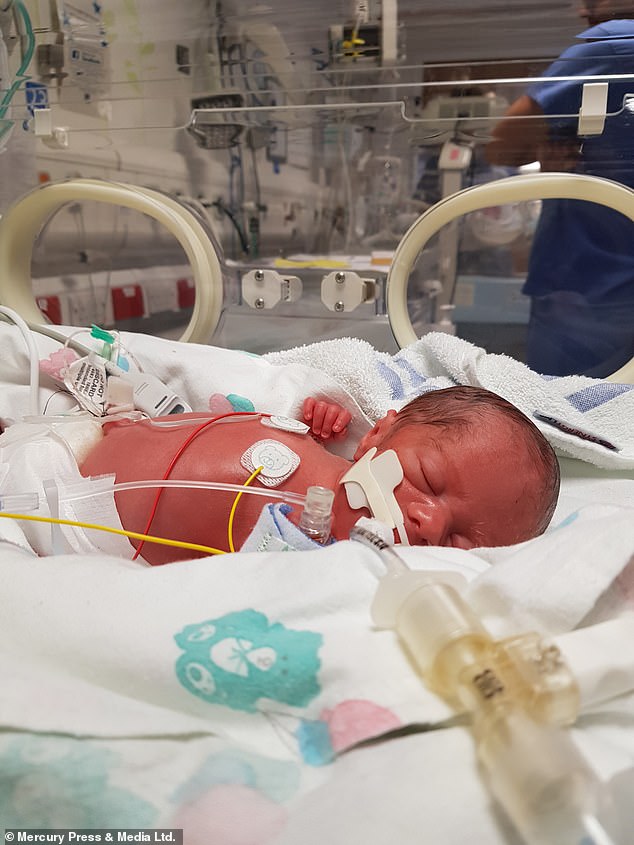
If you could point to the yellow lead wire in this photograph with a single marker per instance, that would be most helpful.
(235, 505)
(149, 538)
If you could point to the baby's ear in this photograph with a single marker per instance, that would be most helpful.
(376, 435)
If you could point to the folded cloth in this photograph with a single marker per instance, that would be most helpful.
(274, 532)
(579, 415)
(561, 579)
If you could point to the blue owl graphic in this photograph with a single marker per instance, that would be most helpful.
(241, 657)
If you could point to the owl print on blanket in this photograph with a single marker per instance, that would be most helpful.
(241, 657)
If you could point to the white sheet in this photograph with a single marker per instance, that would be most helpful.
(101, 727)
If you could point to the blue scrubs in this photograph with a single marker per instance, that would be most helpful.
(581, 269)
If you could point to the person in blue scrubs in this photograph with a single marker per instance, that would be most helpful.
(581, 269)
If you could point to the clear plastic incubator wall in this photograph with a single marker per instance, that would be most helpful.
(307, 140)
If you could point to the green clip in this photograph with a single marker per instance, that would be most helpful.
(102, 334)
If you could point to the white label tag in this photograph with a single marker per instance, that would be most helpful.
(278, 462)
(86, 379)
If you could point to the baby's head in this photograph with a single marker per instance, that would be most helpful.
(477, 471)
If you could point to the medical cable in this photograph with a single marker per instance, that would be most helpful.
(34, 361)
(178, 454)
(134, 535)
(285, 496)
(393, 562)
(244, 244)
(146, 387)
(234, 506)
(60, 337)
(20, 76)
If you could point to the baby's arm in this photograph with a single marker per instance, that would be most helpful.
(326, 419)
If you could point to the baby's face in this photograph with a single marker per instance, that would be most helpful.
(465, 491)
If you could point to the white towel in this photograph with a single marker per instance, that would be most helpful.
(379, 381)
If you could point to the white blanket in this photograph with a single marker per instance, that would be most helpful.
(227, 697)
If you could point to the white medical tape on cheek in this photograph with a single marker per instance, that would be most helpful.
(278, 462)
(370, 483)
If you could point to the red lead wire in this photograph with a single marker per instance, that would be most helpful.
(178, 454)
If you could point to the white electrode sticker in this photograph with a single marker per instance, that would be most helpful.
(278, 462)
(285, 424)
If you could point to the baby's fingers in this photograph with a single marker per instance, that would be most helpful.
(326, 419)
(314, 413)
(308, 408)
(340, 425)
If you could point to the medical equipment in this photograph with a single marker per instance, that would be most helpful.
(351, 295)
(370, 483)
(89, 378)
(21, 223)
(366, 687)
(516, 188)
(322, 119)
(87, 381)
(315, 518)
(133, 535)
(10, 87)
(103, 636)
(517, 692)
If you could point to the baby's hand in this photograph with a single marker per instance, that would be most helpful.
(326, 419)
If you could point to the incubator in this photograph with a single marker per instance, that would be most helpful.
(262, 176)
(306, 144)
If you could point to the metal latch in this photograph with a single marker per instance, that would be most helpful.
(346, 290)
(265, 288)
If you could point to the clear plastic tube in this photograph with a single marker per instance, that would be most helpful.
(595, 832)
(166, 422)
(518, 698)
(393, 562)
(284, 495)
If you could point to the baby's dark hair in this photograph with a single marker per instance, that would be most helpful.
(464, 408)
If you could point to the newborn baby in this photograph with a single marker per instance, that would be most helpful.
(475, 471)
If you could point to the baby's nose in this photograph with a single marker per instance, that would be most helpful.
(430, 520)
